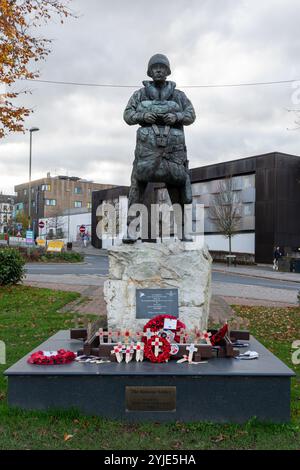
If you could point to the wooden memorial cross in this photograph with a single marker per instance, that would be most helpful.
(148, 333)
(118, 351)
(101, 335)
(206, 336)
(138, 335)
(139, 354)
(180, 333)
(129, 352)
(197, 335)
(186, 337)
(191, 348)
(109, 335)
(156, 343)
(117, 336)
(127, 336)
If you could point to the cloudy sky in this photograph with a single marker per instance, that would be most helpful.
(208, 42)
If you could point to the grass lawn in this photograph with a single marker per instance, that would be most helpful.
(28, 316)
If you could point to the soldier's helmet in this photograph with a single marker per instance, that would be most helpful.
(158, 59)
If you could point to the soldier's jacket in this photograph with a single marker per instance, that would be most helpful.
(160, 154)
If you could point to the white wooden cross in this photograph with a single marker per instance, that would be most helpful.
(129, 352)
(186, 337)
(109, 335)
(180, 333)
(126, 335)
(138, 335)
(101, 335)
(197, 335)
(191, 348)
(117, 335)
(118, 351)
(156, 343)
(206, 336)
(139, 355)
(148, 333)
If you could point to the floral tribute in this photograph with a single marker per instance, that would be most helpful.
(157, 349)
(58, 357)
(157, 323)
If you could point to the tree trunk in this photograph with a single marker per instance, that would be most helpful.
(230, 259)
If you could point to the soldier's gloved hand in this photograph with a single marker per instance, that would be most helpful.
(150, 118)
(170, 118)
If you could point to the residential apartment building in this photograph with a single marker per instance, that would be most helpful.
(53, 195)
(6, 211)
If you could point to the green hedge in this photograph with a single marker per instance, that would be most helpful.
(11, 266)
(63, 256)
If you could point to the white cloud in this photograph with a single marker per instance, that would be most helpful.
(82, 131)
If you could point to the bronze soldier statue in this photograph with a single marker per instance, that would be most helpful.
(161, 111)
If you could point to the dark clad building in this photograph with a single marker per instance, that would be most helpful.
(269, 186)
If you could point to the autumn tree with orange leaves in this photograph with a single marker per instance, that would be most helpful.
(20, 50)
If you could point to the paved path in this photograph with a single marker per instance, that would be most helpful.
(261, 271)
(244, 285)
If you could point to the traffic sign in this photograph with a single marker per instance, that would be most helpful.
(29, 236)
(41, 224)
(82, 229)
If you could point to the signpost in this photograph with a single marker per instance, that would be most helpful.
(82, 229)
(29, 237)
(41, 224)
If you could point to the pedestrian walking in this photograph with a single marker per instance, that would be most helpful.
(276, 256)
(85, 239)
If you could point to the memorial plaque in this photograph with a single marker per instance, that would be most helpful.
(152, 302)
(150, 398)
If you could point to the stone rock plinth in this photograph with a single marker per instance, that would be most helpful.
(182, 265)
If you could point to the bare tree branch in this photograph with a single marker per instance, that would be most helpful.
(224, 210)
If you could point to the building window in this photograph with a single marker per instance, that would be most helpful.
(78, 190)
(50, 202)
(248, 181)
(89, 205)
(89, 190)
(78, 204)
(25, 192)
(46, 187)
(33, 203)
(248, 209)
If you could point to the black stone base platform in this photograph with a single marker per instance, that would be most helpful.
(222, 390)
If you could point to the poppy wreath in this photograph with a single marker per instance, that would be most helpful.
(157, 324)
(62, 357)
(163, 356)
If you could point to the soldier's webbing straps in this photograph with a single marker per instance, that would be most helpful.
(161, 139)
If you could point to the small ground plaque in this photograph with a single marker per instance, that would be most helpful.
(152, 302)
(150, 398)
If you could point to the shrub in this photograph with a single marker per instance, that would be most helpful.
(11, 266)
(63, 256)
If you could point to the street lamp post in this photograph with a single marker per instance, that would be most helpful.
(31, 130)
(68, 190)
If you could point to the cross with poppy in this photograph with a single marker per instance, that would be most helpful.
(156, 343)
(206, 336)
(139, 348)
(148, 333)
